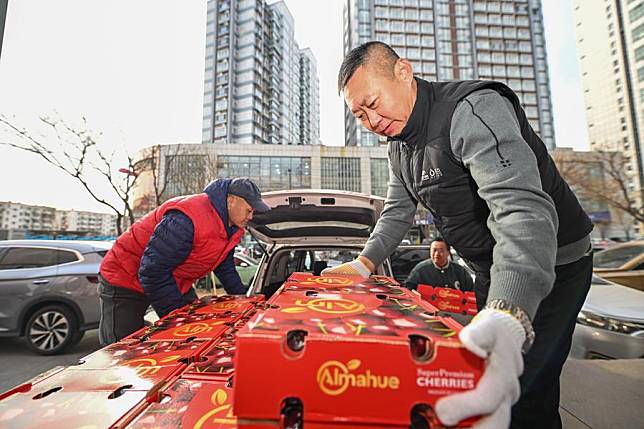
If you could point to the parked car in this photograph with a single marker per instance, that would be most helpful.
(310, 230)
(610, 324)
(245, 266)
(622, 264)
(405, 258)
(48, 291)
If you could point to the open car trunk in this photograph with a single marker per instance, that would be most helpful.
(298, 214)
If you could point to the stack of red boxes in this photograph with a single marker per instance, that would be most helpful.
(334, 352)
(201, 397)
(130, 381)
(450, 300)
(348, 352)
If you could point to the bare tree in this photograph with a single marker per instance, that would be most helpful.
(77, 152)
(151, 160)
(170, 171)
(604, 178)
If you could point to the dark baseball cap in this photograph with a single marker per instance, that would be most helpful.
(245, 188)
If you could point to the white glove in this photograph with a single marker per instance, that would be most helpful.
(353, 268)
(497, 336)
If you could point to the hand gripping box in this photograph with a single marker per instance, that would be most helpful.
(199, 404)
(346, 358)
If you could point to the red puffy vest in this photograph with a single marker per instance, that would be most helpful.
(210, 244)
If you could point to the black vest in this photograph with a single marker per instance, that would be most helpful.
(451, 195)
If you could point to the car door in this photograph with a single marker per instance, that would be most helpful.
(78, 281)
(25, 272)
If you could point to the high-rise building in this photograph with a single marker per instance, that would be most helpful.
(610, 44)
(459, 39)
(252, 86)
(309, 110)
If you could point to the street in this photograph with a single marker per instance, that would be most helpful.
(18, 364)
(595, 394)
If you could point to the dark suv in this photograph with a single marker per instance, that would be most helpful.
(48, 291)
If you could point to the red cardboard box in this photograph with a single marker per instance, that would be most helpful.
(79, 398)
(222, 305)
(92, 409)
(190, 404)
(183, 326)
(451, 300)
(158, 359)
(344, 284)
(217, 363)
(350, 358)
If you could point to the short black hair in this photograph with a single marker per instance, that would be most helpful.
(364, 54)
(440, 240)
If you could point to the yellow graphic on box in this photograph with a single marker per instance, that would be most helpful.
(327, 281)
(326, 305)
(334, 378)
(222, 414)
(224, 305)
(195, 328)
(149, 366)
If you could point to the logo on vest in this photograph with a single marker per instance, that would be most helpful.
(434, 173)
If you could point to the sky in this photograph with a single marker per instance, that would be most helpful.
(134, 71)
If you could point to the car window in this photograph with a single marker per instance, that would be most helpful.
(404, 260)
(65, 256)
(616, 257)
(28, 257)
(313, 261)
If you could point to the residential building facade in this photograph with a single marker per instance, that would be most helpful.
(252, 86)
(610, 44)
(457, 40)
(309, 110)
(18, 220)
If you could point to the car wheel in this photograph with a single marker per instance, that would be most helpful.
(51, 330)
(77, 338)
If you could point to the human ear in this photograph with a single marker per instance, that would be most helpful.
(403, 70)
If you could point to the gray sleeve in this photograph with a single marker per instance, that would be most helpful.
(395, 220)
(486, 137)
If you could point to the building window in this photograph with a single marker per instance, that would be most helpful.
(636, 13)
(379, 176)
(341, 173)
(638, 33)
(270, 173)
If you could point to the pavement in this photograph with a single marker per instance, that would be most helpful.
(595, 394)
(603, 394)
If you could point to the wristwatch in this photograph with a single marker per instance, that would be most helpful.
(519, 314)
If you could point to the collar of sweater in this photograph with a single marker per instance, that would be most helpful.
(441, 268)
(414, 131)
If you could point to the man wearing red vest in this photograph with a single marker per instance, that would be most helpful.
(156, 261)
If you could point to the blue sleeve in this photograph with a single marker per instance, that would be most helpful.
(229, 277)
(169, 246)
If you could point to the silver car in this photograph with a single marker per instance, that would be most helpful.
(610, 324)
(48, 291)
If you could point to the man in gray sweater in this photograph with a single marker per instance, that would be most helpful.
(467, 153)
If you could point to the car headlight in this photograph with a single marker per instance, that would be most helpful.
(596, 321)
